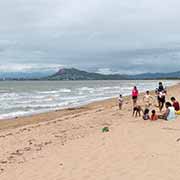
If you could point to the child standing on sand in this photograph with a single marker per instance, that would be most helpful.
(120, 101)
(161, 99)
(147, 99)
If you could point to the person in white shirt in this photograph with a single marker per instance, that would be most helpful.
(169, 114)
(148, 99)
(120, 101)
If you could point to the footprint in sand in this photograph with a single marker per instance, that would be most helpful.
(75, 116)
(37, 126)
(27, 148)
(99, 110)
(47, 143)
(11, 159)
(3, 162)
(22, 161)
(61, 164)
(2, 136)
(38, 147)
(9, 134)
(23, 130)
(31, 141)
(17, 153)
(1, 170)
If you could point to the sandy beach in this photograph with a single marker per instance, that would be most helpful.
(69, 145)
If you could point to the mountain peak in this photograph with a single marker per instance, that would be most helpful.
(76, 74)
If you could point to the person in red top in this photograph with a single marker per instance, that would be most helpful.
(135, 94)
(175, 104)
(154, 117)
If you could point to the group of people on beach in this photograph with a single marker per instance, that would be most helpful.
(172, 109)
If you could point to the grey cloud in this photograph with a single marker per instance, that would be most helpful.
(123, 36)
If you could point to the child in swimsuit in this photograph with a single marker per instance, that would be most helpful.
(147, 99)
(120, 101)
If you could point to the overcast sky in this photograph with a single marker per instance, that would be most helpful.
(130, 36)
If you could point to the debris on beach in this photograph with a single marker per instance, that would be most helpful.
(105, 129)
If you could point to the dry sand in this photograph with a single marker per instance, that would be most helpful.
(69, 145)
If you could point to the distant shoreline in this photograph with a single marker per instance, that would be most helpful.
(53, 114)
(1, 80)
(66, 74)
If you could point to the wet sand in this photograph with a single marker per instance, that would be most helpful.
(69, 144)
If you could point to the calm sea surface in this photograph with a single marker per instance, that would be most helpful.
(30, 97)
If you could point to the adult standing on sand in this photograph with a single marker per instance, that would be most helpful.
(161, 96)
(161, 87)
(135, 94)
(161, 99)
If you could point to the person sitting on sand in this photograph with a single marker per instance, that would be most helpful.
(154, 117)
(169, 114)
(120, 101)
(147, 99)
(146, 114)
(175, 104)
(135, 94)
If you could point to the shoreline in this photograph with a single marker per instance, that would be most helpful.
(51, 115)
(73, 143)
(58, 104)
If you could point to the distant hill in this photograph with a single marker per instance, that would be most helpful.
(75, 74)
(172, 75)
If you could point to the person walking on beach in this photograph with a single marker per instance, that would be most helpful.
(135, 94)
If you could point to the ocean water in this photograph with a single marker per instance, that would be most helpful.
(22, 98)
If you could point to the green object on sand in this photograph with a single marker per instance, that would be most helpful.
(105, 129)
